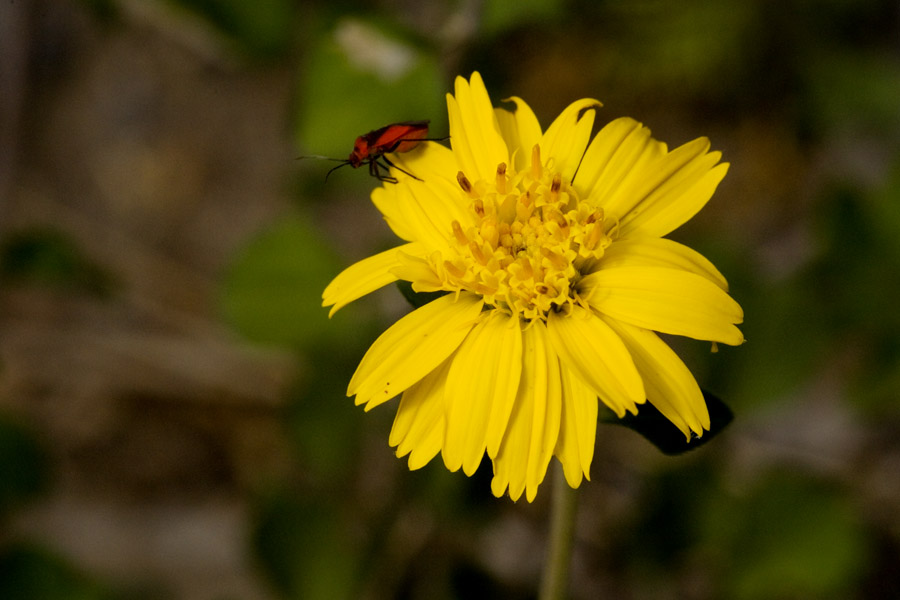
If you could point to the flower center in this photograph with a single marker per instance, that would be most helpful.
(531, 240)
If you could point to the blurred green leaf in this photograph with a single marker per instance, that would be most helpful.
(501, 15)
(859, 294)
(663, 434)
(789, 538)
(884, 211)
(49, 257)
(23, 466)
(272, 292)
(858, 284)
(323, 423)
(31, 573)
(304, 549)
(854, 88)
(263, 28)
(682, 47)
(795, 325)
(667, 529)
(359, 77)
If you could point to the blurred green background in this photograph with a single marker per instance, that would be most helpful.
(173, 422)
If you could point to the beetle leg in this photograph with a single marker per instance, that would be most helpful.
(388, 161)
(375, 171)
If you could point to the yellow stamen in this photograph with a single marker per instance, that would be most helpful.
(459, 234)
(536, 166)
(558, 261)
(593, 236)
(464, 182)
(529, 239)
(501, 178)
(490, 234)
(554, 188)
(454, 270)
(527, 269)
(477, 253)
(524, 207)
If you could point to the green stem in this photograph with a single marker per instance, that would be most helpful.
(555, 579)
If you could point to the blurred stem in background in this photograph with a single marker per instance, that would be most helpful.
(555, 578)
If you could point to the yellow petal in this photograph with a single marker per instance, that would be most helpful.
(364, 277)
(520, 129)
(502, 406)
(669, 383)
(474, 131)
(659, 252)
(412, 347)
(547, 411)
(422, 212)
(673, 191)
(418, 428)
(422, 209)
(665, 300)
(533, 426)
(587, 346)
(611, 157)
(643, 188)
(418, 271)
(567, 137)
(578, 428)
(427, 448)
(390, 204)
(420, 407)
(481, 388)
(429, 161)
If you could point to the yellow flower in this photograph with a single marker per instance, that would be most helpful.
(551, 247)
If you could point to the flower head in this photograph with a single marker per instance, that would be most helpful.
(550, 247)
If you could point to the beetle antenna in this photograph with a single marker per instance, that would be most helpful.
(343, 164)
(319, 157)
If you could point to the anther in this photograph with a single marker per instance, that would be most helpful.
(525, 206)
(595, 216)
(557, 225)
(490, 233)
(477, 254)
(501, 178)
(558, 218)
(554, 188)
(527, 269)
(454, 270)
(593, 236)
(464, 182)
(558, 261)
(459, 234)
(536, 166)
(478, 206)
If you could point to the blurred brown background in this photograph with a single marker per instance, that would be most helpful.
(172, 413)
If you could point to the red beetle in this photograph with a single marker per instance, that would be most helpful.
(372, 147)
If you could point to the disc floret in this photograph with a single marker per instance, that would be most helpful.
(528, 243)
